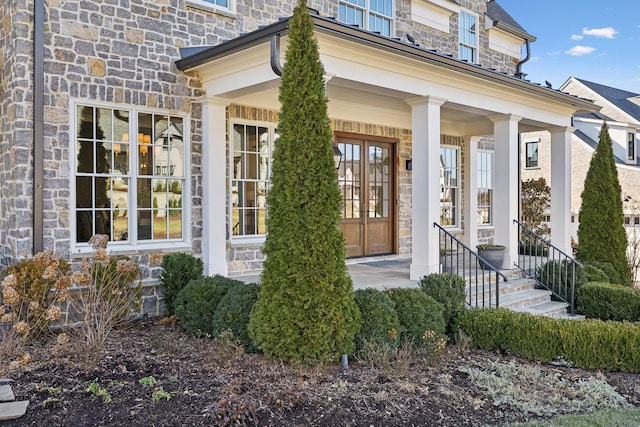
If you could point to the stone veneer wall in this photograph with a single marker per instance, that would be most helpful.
(124, 52)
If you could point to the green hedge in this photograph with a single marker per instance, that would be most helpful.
(588, 344)
(197, 302)
(607, 301)
(608, 269)
(232, 313)
(178, 270)
(380, 324)
(448, 290)
(417, 313)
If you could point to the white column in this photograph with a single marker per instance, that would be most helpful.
(425, 185)
(505, 199)
(561, 188)
(214, 185)
(470, 205)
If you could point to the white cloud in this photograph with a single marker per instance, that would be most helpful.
(607, 33)
(580, 50)
(576, 37)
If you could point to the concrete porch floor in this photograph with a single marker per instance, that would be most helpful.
(380, 272)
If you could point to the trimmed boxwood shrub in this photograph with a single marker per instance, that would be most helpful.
(417, 313)
(607, 301)
(197, 302)
(595, 274)
(557, 275)
(448, 290)
(177, 271)
(612, 274)
(380, 324)
(589, 344)
(233, 313)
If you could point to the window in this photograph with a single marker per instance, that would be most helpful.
(213, 5)
(631, 147)
(636, 220)
(468, 37)
(532, 154)
(252, 150)
(372, 15)
(130, 189)
(485, 187)
(449, 186)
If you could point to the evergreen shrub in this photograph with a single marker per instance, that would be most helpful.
(197, 302)
(448, 290)
(417, 313)
(595, 274)
(177, 270)
(233, 313)
(589, 344)
(557, 276)
(607, 301)
(609, 270)
(380, 324)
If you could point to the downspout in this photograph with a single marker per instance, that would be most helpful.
(38, 125)
(519, 73)
(276, 66)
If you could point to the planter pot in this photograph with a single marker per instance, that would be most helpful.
(493, 255)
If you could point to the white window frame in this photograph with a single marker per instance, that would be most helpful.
(456, 202)
(486, 177)
(631, 146)
(243, 239)
(132, 245)
(212, 6)
(368, 13)
(467, 44)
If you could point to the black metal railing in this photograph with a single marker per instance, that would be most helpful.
(552, 268)
(483, 283)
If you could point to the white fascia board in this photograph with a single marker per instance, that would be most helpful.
(418, 79)
(434, 13)
(506, 43)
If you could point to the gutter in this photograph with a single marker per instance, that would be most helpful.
(38, 126)
(395, 46)
(519, 72)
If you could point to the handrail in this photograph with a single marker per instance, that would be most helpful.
(459, 259)
(552, 268)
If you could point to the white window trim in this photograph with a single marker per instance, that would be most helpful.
(492, 201)
(457, 225)
(133, 246)
(476, 48)
(210, 7)
(526, 154)
(368, 11)
(254, 239)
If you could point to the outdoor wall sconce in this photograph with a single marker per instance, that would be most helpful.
(337, 156)
(408, 164)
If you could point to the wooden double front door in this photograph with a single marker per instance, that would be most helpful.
(366, 179)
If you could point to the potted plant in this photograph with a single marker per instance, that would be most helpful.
(491, 253)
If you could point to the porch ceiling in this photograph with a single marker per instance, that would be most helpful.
(370, 78)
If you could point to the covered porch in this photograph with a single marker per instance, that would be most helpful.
(419, 97)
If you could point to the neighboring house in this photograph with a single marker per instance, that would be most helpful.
(155, 121)
(621, 111)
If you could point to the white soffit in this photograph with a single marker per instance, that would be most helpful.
(434, 13)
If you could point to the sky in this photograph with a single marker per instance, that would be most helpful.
(594, 40)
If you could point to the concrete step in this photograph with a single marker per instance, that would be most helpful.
(13, 410)
(550, 309)
(505, 288)
(518, 300)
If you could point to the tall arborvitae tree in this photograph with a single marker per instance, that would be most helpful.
(305, 309)
(601, 235)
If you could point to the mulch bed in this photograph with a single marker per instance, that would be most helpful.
(215, 384)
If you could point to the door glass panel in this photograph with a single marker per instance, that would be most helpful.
(379, 182)
(349, 180)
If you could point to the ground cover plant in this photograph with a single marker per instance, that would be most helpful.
(203, 382)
